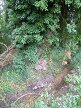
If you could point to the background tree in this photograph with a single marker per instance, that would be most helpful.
(55, 22)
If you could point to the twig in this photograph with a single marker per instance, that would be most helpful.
(38, 94)
(1, 43)
(23, 96)
(5, 52)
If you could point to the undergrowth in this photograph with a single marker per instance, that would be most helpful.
(21, 69)
(72, 99)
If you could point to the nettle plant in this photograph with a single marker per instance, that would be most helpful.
(33, 21)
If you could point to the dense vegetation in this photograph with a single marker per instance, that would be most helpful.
(46, 21)
(40, 30)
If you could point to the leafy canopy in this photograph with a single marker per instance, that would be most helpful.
(36, 21)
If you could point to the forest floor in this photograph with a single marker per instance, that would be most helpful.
(44, 82)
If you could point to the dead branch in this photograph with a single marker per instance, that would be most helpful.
(6, 56)
(31, 94)
(1, 43)
(7, 51)
(23, 96)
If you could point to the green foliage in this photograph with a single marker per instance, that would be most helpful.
(72, 44)
(40, 104)
(75, 80)
(30, 21)
(21, 67)
(24, 61)
(10, 82)
(42, 4)
(68, 101)
(10, 76)
(50, 22)
(36, 21)
(57, 56)
(71, 28)
(31, 54)
(76, 3)
(6, 88)
(26, 34)
(76, 59)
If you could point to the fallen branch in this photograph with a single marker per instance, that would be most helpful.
(1, 43)
(5, 52)
(6, 57)
(23, 96)
(37, 95)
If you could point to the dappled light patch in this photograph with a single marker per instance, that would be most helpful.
(41, 65)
